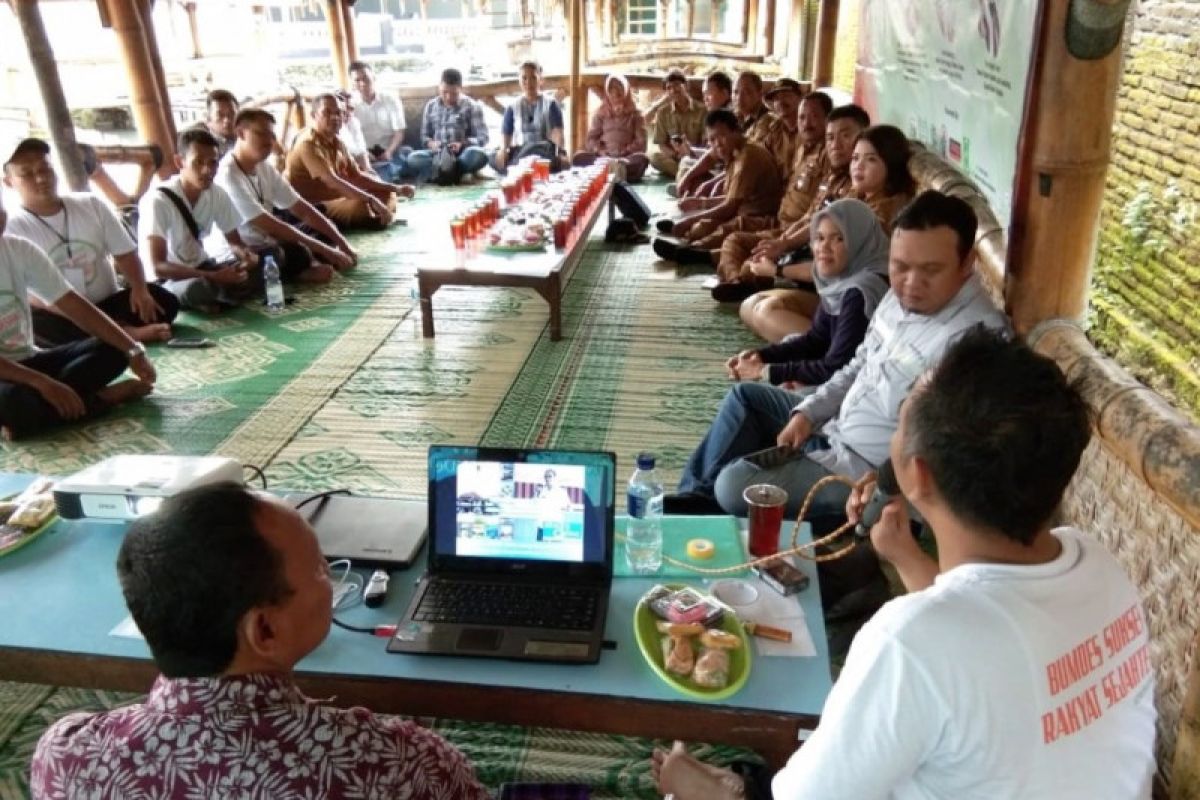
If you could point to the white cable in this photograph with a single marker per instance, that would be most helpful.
(347, 587)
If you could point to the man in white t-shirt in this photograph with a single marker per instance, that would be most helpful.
(382, 119)
(351, 134)
(175, 217)
(258, 191)
(40, 389)
(84, 238)
(1018, 666)
(222, 108)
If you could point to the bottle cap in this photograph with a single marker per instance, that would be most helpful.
(645, 461)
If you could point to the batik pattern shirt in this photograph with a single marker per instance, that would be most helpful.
(250, 736)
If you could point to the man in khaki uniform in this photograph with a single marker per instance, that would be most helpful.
(753, 189)
(322, 171)
(678, 125)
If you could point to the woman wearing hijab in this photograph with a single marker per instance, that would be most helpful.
(618, 131)
(850, 264)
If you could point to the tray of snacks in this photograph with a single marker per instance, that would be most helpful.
(521, 236)
(692, 641)
(26, 516)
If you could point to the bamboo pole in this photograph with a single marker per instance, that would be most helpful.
(827, 23)
(160, 77)
(769, 27)
(1185, 775)
(350, 33)
(337, 42)
(58, 116)
(751, 22)
(148, 112)
(576, 23)
(194, 29)
(1062, 159)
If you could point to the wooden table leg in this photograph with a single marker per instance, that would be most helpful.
(425, 289)
(553, 294)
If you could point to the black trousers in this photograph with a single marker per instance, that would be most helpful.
(86, 366)
(51, 330)
(292, 258)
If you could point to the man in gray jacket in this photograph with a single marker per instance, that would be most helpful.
(844, 427)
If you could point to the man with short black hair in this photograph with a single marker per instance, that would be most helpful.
(84, 238)
(383, 126)
(221, 107)
(321, 171)
(1018, 666)
(752, 189)
(230, 590)
(177, 216)
(537, 117)
(451, 123)
(42, 389)
(258, 191)
(678, 124)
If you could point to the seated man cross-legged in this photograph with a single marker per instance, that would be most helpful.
(84, 238)
(452, 122)
(230, 590)
(40, 389)
(532, 125)
(1018, 666)
(258, 191)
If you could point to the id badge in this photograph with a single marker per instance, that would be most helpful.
(75, 271)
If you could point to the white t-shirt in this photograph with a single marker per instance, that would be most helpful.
(380, 119)
(81, 241)
(159, 217)
(351, 135)
(255, 194)
(999, 681)
(24, 269)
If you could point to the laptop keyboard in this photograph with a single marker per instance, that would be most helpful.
(511, 605)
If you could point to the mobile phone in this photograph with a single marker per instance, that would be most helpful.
(782, 577)
(190, 342)
(771, 457)
(677, 137)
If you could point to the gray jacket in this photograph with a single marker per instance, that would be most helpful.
(859, 407)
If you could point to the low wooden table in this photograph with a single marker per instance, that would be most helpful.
(546, 272)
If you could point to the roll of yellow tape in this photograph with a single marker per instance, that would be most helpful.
(701, 549)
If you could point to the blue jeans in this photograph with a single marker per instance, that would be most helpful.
(470, 160)
(750, 418)
(395, 169)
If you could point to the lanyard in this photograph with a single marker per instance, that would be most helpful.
(253, 185)
(65, 236)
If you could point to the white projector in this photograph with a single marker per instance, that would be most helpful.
(125, 487)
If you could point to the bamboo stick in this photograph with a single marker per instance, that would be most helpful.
(148, 112)
(576, 22)
(1062, 159)
(194, 29)
(348, 21)
(58, 116)
(769, 27)
(337, 42)
(827, 23)
(160, 77)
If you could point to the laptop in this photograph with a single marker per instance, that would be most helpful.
(520, 556)
(369, 531)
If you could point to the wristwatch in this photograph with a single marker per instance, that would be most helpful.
(138, 349)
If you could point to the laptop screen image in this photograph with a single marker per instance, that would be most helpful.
(521, 511)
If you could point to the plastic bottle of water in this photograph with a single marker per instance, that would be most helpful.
(644, 507)
(274, 284)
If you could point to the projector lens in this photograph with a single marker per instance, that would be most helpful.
(146, 505)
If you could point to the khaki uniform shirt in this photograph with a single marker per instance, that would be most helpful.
(809, 168)
(886, 207)
(780, 143)
(313, 154)
(753, 179)
(689, 123)
(757, 124)
(834, 186)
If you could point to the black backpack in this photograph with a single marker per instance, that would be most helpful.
(630, 204)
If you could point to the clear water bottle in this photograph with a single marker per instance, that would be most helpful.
(274, 284)
(644, 507)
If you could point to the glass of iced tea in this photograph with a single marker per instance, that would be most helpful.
(458, 232)
(766, 504)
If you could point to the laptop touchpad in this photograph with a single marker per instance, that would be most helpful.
(485, 639)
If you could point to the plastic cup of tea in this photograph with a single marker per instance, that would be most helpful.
(542, 168)
(766, 504)
(458, 232)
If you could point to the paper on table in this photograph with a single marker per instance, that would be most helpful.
(127, 628)
(773, 609)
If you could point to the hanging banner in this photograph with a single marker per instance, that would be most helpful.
(952, 75)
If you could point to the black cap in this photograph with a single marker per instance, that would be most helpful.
(28, 145)
(785, 85)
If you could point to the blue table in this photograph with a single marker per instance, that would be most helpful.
(59, 599)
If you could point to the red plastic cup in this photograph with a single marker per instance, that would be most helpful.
(562, 226)
(766, 504)
(541, 168)
(527, 182)
(458, 232)
(509, 187)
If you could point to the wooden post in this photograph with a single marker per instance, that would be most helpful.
(337, 42)
(1061, 164)
(160, 77)
(579, 99)
(194, 28)
(58, 116)
(148, 112)
(350, 33)
(827, 23)
(769, 28)
(751, 22)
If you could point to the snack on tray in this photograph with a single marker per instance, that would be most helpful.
(712, 668)
(720, 640)
(33, 512)
(678, 656)
(680, 628)
(686, 620)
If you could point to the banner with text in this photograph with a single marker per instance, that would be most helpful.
(951, 74)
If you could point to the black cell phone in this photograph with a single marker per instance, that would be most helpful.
(772, 457)
(190, 342)
(782, 577)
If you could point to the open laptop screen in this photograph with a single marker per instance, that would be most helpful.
(533, 511)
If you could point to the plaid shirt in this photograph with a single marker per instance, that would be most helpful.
(459, 123)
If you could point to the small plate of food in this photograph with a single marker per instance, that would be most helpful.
(27, 516)
(692, 641)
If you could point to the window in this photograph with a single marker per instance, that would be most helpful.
(641, 17)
